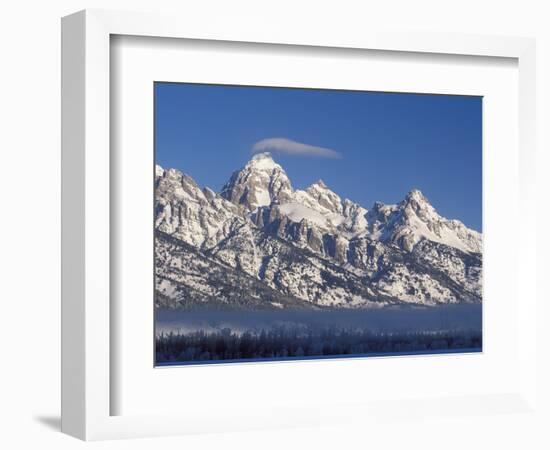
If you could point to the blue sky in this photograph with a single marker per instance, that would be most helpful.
(388, 143)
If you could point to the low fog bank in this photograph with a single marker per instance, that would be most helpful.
(385, 320)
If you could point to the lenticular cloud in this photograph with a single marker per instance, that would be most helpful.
(289, 147)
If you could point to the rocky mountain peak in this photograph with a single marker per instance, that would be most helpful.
(323, 199)
(417, 219)
(259, 183)
(416, 204)
(416, 194)
(417, 199)
(319, 184)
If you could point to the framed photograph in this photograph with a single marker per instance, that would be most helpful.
(274, 263)
(267, 229)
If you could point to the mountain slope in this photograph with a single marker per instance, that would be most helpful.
(187, 279)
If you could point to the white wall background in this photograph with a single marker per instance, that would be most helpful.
(29, 221)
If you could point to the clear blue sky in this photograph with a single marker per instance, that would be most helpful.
(390, 143)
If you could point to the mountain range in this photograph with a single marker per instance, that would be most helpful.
(261, 244)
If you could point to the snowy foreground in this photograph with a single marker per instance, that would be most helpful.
(222, 336)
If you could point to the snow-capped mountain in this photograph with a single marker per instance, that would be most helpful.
(262, 244)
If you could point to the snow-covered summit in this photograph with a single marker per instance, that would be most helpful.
(259, 183)
(263, 161)
(416, 195)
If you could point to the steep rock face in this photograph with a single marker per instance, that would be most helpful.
(183, 210)
(355, 219)
(464, 270)
(296, 273)
(187, 279)
(316, 219)
(432, 273)
(305, 247)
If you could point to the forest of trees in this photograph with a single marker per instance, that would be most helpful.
(288, 342)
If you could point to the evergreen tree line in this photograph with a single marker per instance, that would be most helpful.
(287, 342)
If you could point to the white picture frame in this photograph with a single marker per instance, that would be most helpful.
(87, 320)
